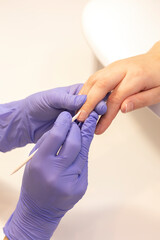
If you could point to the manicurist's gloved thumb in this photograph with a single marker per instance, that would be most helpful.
(56, 136)
(69, 101)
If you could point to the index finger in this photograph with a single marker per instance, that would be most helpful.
(106, 81)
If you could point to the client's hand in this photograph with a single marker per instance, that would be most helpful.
(133, 82)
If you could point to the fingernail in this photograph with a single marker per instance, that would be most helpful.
(83, 115)
(129, 107)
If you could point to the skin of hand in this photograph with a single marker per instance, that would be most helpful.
(133, 83)
(25, 121)
(53, 183)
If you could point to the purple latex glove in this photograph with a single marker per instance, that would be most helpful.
(25, 121)
(53, 184)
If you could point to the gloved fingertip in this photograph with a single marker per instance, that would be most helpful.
(80, 100)
(75, 89)
(92, 119)
(94, 115)
(73, 102)
(64, 118)
(101, 108)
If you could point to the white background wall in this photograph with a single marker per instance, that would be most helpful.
(42, 47)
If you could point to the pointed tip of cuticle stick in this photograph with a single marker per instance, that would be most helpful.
(24, 163)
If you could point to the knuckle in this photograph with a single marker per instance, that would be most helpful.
(76, 145)
(82, 190)
(53, 182)
(34, 168)
(56, 135)
(68, 191)
(101, 83)
(92, 79)
(139, 76)
(139, 72)
(115, 98)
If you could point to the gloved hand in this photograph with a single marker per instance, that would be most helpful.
(25, 121)
(52, 184)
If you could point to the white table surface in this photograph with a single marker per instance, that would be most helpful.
(117, 29)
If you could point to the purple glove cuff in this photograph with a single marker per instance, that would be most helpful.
(12, 130)
(29, 222)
